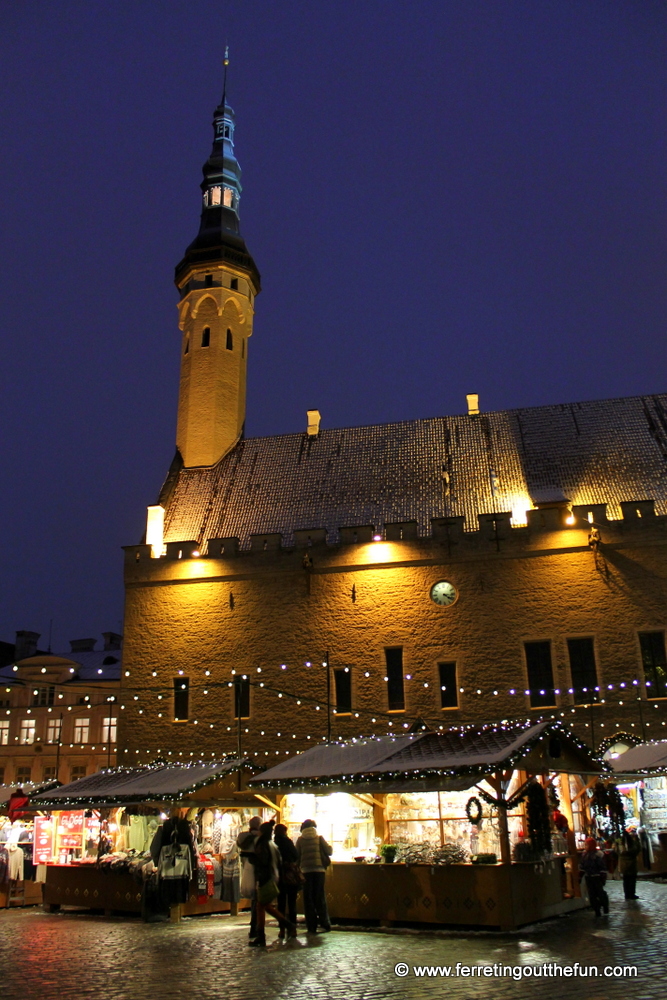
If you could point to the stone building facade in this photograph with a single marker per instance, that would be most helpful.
(481, 566)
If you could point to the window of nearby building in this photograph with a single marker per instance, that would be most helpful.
(540, 674)
(583, 670)
(343, 685)
(78, 771)
(53, 730)
(43, 695)
(50, 773)
(654, 662)
(81, 730)
(234, 284)
(395, 690)
(4, 732)
(27, 731)
(449, 692)
(109, 730)
(206, 336)
(181, 698)
(230, 341)
(23, 774)
(208, 278)
(241, 698)
(2, 775)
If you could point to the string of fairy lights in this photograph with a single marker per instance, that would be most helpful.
(155, 700)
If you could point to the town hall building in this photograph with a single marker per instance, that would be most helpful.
(336, 582)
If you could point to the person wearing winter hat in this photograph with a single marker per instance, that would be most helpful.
(593, 866)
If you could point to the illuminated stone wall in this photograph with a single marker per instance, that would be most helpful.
(253, 612)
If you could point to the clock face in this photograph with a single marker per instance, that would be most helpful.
(443, 593)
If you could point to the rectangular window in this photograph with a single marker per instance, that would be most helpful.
(241, 698)
(540, 674)
(27, 731)
(23, 774)
(343, 685)
(109, 730)
(43, 696)
(50, 773)
(81, 730)
(79, 771)
(395, 691)
(449, 692)
(654, 663)
(2, 775)
(583, 670)
(4, 732)
(181, 698)
(53, 730)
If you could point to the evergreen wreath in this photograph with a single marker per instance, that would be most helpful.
(473, 803)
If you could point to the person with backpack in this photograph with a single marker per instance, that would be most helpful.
(594, 867)
(314, 858)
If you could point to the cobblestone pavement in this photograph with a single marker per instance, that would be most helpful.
(48, 956)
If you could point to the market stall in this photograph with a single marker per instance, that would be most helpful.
(96, 834)
(483, 823)
(20, 876)
(641, 778)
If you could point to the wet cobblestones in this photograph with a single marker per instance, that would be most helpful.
(49, 956)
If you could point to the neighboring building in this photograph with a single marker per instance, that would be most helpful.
(463, 568)
(58, 712)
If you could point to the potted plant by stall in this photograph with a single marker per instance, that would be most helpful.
(388, 853)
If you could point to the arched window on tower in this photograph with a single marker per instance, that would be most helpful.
(230, 341)
(206, 336)
(243, 348)
(228, 201)
(212, 196)
(187, 346)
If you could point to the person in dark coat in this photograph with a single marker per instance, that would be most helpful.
(594, 867)
(267, 869)
(245, 842)
(630, 850)
(290, 877)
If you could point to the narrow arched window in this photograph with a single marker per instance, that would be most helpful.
(206, 336)
(230, 342)
(243, 348)
(187, 346)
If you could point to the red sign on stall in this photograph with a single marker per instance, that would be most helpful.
(42, 845)
(70, 829)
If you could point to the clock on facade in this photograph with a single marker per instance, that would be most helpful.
(443, 593)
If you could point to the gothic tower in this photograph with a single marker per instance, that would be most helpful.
(218, 281)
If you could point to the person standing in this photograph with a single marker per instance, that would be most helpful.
(593, 865)
(176, 831)
(267, 872)
(314, 853)
(290, 877)
(630, 849)
(245, 842)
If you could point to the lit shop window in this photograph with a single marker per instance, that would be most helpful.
(109, 730)
(53, 731)
(27, 731)
(81, 730)
(4, 732)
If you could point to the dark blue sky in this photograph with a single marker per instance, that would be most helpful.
(441, 196)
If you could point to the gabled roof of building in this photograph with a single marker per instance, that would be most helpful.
(164, 782)
(467, 753)
(605, 451)
(645, 757)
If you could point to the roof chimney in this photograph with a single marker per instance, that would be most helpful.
(82, 645)
(112, 640)
(473, 404)
(313, 428)
(25, 645)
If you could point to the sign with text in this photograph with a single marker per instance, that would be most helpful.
(70, 830)
(42, 844)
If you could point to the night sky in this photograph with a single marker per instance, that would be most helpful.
(442, 197)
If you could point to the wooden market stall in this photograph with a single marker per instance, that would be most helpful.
(95, 834)
(419, 793)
